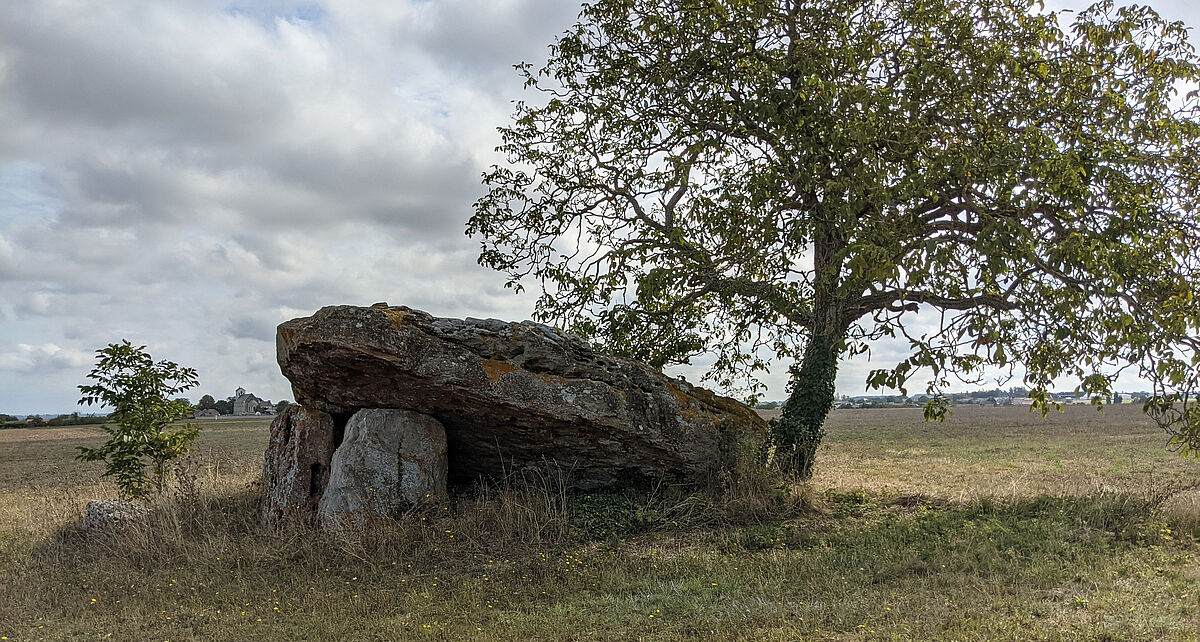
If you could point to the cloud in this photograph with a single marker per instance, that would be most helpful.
(188, 176)
(477, 39)
(38, 358)
(8, 264)
(252, 326)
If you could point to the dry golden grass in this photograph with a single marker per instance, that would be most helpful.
(994, 526)
(1008, 453)
(1001, 451)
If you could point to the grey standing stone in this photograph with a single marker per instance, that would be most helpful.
(296, 464)
(388, 461)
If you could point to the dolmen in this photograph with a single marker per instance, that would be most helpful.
(395, 406)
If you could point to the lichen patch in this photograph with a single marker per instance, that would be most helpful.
(495, 368)
(397, 317)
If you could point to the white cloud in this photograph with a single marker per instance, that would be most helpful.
(8, 263)
(38, 358)
(188, 177)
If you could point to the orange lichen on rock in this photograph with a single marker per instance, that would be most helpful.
(550, 379)
(397, 317)
(688, 408)
(495, 368)
(679, 395)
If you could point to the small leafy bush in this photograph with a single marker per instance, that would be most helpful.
(608, 515)
(854, 503)
(139, 391)
(761, 537)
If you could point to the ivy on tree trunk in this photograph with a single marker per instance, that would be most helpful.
(799, 430)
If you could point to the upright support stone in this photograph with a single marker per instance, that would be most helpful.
(389, 460)
(296, 464)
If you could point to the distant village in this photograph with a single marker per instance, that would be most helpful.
(982, 398)
(241, 404)
(997, 397)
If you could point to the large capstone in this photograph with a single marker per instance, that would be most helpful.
(388, 461)
(513, 395)
(296, 464)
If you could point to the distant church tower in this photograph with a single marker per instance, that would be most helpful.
(245, 404)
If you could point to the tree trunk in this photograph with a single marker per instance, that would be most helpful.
(798, 433)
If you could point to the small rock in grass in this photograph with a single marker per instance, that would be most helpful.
(102, 514)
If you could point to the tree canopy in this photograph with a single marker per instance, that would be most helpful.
(995, 185)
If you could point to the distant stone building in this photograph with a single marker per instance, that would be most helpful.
(207, 413)
(245, 403)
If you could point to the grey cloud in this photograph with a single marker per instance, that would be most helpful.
(80, 328)
(484, 41)
(71, 71)
(8, 263)
(250, 141)
(36, 303)
(253, 326)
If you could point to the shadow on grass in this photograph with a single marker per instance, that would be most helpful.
(1039, 541)
(830, 566)
(853, 530)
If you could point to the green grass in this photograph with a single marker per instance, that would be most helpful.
(994, 526)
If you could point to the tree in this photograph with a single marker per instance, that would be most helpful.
(282, 405)
(225, 406)
(206, 402)
(793, 179)
(138, 391)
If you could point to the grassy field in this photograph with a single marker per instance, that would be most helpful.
(997, 525)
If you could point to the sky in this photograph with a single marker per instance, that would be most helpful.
(188, 175)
